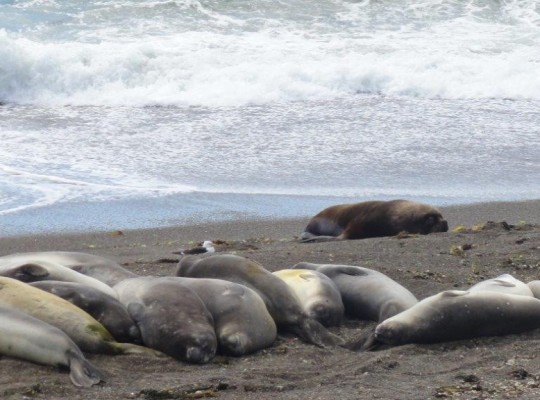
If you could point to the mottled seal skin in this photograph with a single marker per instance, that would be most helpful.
(367, 294)
(317, 293)
(25, 337)
(81, 327)
(277, 296)
(105, 309)
(242, 322)
(456, 315)
(505, 283)
(41, 270)
(374, 219)
(171, 317)
(535, 288)
(97, 267)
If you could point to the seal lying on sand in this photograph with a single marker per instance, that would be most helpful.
(366, 294)
(279, 299)
(318, 294)
(374, 219)
(505, 283)
(36, 271)
(455, 315)
(100, 268)
(105, 309)
(171, 318)
(28, 338)
(241, 320)
(84, 330)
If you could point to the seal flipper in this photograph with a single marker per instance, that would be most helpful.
(82, 372)
(311, 331)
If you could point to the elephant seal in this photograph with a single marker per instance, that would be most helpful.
(105, 309)
(317, 293)
(505, 283)
(171, 318)
(456, 315)
(97, 267)
(374, 219)
(367, 294)
(241, 320)
(535, 288)
(278, 298)
(25, 337)
(35, 271)
(84, 330)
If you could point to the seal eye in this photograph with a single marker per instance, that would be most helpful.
(429, 221)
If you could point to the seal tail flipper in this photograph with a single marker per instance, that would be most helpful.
(312, 331)
(83, 373)
(130, 348)
(366, 341)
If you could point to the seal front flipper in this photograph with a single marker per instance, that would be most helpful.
(311, 331)
(82, 372)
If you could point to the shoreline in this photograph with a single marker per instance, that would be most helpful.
(456, 214)
(185, 235)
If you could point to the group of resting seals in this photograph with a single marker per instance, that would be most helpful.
(233, 305)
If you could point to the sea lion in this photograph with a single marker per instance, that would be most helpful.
(317, 293)
(84, 330)
(367, 294)
(278, 298)
(505, 283)
(456, 315)
(171, 318)
(98, 267)
(41, 270)
(28, 338)
(105, 309)
(535, 288)
(241, 320)
(374, 219)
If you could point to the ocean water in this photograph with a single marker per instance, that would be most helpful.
(120, 114)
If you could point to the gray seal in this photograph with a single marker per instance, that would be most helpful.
(81, 327)
(504, 283)
(97, 267)
(171, 317)
(25, 337)
(242, 322)
(456, 315)
(105, 309)
(317, 293)
(367, 294)
(277, 296)
(374, 219)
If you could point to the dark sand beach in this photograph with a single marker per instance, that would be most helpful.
(485, 368)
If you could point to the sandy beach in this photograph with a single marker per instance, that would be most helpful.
(487, 368)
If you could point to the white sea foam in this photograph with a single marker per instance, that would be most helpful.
(120, 56)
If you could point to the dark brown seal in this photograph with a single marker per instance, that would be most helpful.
(374, 219)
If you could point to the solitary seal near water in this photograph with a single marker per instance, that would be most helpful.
(374, 219)
(105, 309)
(171, 318)
(456, 315)
(277, 296)
(505, 283)
(97, 267)
(25, 337)
(367, 294)
(317, 293)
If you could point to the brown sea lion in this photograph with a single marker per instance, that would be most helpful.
(374, 219)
